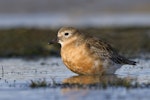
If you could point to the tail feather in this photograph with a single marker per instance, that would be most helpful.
(122, 60)
(129, 62)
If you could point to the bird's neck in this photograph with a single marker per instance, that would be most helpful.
(70, 41)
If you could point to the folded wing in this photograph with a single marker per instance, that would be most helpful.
(105, 51)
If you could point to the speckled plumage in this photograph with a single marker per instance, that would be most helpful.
(88, 55)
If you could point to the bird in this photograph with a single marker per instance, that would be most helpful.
(88, 55)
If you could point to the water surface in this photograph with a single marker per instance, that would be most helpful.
(16, 75)
(54, 20)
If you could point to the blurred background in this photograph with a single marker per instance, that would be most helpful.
(26, 26)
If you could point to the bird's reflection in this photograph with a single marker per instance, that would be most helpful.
(82, 85)
(87, 80)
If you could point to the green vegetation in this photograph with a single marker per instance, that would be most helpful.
(34, 42)
(99, 85)
(39, 83)
(26, 42)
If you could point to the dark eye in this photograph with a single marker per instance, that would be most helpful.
(66, 34)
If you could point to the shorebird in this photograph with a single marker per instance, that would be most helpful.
(88, 55)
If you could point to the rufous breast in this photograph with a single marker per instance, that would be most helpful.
(79, 59)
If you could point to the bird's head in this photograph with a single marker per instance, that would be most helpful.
(66, 35)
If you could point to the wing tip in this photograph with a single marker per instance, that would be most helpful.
(130, 62)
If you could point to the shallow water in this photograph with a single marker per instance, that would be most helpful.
(43, 20)
(16, 75)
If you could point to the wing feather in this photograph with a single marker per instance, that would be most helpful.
(105, 51)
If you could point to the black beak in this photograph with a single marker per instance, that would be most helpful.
(53, 41)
